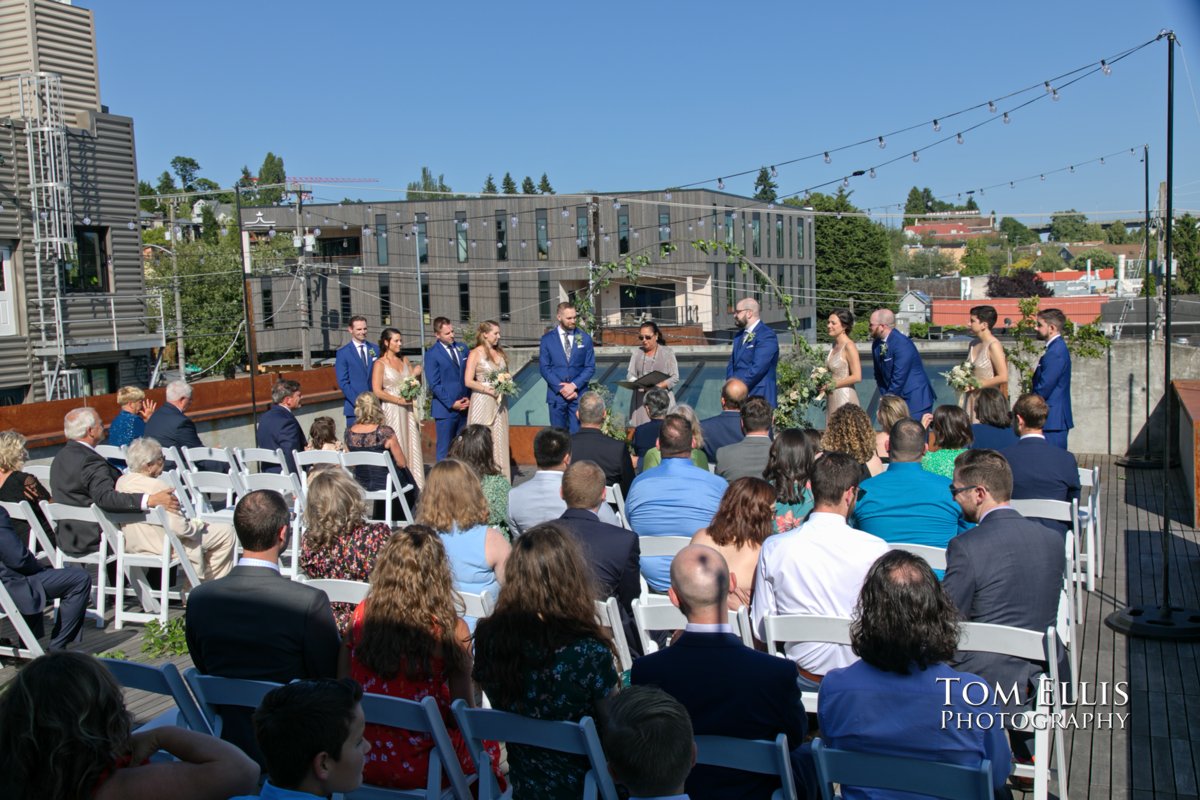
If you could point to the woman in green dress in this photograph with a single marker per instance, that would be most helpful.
(949, 435)
(474, 447)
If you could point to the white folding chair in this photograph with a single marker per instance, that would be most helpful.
(194, 456)
(935, 556)
(173, 460)
(39, 471)
(614, 497)
(112, 452)
(1067, 513)
(608, 614)
(781, 630)
(246, 456)
(477, 605)
(39, 538)
(132, 566)
(650, 618)
(751, 755)
(340, 591)
(393, 489)
(28, 646)
(307, 458)
(1038, 647)
(287, 486)
(1092, 552)
(654, 547)
(104, 555)
(205, 486)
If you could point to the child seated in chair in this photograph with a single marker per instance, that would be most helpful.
(311, 735)
(647, 738)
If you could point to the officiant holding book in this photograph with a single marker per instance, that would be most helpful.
(651, 365)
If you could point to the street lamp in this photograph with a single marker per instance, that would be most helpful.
(179, 350)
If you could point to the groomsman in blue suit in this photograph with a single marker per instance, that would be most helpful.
(446, 372)
(567, 362)
(898, 366)
(1052, 378)
(353, 365)
(755, 352)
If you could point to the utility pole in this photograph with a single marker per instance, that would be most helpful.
(179, 351)
(302, 274)
(248, 305)
(593, 265)
(420, 294)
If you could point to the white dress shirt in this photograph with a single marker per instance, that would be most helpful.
(815, 569)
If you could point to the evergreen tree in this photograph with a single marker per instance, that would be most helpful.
(975, 259)
(914, 206)
(245, 182)
(528, 186)
(1185, 245)
(428, 187)
(544, 185)
(210, 229)
(186, 169)
(166, 184)
(1017, 232)
(271, 175)
(508, 185)
(147, 198)
(489, 186)
(764, 187)
(1117, 233)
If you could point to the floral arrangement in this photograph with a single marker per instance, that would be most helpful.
(962, 377)
(822, 381)
(410, 388)
(502, 383)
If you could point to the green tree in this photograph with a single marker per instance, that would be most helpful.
(185, 169)
(971, 205)
(428, 187)
(1149, 287)
(489, 186)
(1017, 232)
(1185, 244)
(270, 177)
(508, 185)
(1071, 226)
(210, 229)
(975, 259)
(166, 184)
(147, 197)
(764, 187)
(928, 263)
(1049, 262)
(1117, 233)
(245, 184)
(528, 186)
(914, 206)
(544, 185)
(1101, 259)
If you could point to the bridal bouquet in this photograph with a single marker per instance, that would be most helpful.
(502, 382)
(962, 377)
(410, 388)
(822, 381)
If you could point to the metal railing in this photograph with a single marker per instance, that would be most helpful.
(670, 315)
(74, 319)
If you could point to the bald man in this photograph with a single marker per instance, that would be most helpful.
(726, 427)
(898, 366)
(755, 351)
(728, 689)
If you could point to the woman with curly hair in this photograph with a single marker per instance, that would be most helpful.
(542, 654)
(850, 432)
(893, 701)
(407, 640)
(949, 435)
(745, 518)
(474, 448)
(789, 468)
(65, 734)
(338, 541)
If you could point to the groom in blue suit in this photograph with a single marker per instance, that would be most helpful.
(353, 365)
(1052, 377)
(898, 366)
(446, 372)
(567, 362)
(755, 352)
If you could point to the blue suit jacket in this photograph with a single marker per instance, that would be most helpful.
(19, 570)
(279, 428)
(352, 377)
(447, 380)
(170, 427)
(754, 363)
(729, 690)
(1052, 382)
(1042, 471)
(900, 371)
(725, 428)
(556, 369)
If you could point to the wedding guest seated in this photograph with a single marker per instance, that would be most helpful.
(744, 520)
(892, 409)
(368, 434)
(65, 733)
(539, 499)
(814, 443)
(542, 654)
(130, 422)
(893, 701)
(850, 432)
(408, 641)
(474, 448)
(676, 498)
(728, 689)
(311, 733)
(590, 443)
(789, 466)
(209, 545)
(339, 542)
(647, 739)
(653, 456)
(726, 427)
(994, 428)
(16, 485)
(646, 434)
(1040, 470)
(906, 503)
(278, 428)
(171, 427)
(949, 436)
(322, 435)
(748, 458)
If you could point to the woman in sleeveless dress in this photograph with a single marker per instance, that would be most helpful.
(842, 362)
(487, 409)
(986, 355)
(402, 416)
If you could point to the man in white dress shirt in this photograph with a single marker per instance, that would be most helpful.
(818, 568)
(539, 499)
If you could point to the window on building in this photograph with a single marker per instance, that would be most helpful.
(544, 311)
(782, 280)
(505, 297)
(581, 231)
(99, 379)
(756, 230)
(623, 231)
(464, 296)
(425, 296)
(347, 312)
(422, 227)
(789, 237)
(729, 228)
(779, 235)
(89, 271)
(268, 306)
(800, 238)
(385, 300)
(730, 286)
(460, 233)
(381, 240)
(802, 282)
(543, 235)
(502, 235)
(664, 223)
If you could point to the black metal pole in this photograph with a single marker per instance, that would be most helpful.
(1146, 277)
(1170, 223)
(247, 307)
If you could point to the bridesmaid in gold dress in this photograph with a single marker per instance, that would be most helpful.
(486, 409)
(842, 362)
(986, 356)
(402, 416)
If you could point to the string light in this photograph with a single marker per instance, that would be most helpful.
(317, 232)
(1054, 96)
(1047, 85)
(1105, 68)
(1102, 161)
(720, 183)
(882, 143)
(667, 195)
(828, 160)
(845, 183)
(1007, 119)
(774, 172)
(937, 126)
(959, 138)
(992, 106)
(916, 157)
(871, 173)
(131, 224)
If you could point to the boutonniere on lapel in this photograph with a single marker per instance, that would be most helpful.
(883, 350)
(748, 338)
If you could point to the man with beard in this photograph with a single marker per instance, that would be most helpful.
(898, 366)
(567, 362)
(1052, 378)
(755, 352)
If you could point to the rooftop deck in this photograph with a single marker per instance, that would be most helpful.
(1157, 753)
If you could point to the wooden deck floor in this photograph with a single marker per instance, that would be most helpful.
(1157, 753)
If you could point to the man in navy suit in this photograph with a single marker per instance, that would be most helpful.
(898, 366)
(1052, 378)
(755, 352)
(567, 362)
(170, 427)
(278, 428)
(353, 365)
(728, 689)
(446, 371)
(1040, 470)
(32, 586)
(726, 427)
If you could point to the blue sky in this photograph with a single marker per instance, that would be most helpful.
(620, 96)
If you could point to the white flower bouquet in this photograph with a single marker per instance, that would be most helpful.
(962, 377)
(502, 383)
(410, 388)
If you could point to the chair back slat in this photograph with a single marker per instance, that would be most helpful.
(165, 680)
(900, 773)
(651, 546)
(478, 605)
(340, 591)
(211, 691)
(750, 755)
(935, 556)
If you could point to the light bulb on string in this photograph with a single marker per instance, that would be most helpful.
(1055, 96)
(871, 172)
(606, 237)
(368, 209)
(1072, 168)
(472, 244)
(616, 205)
(1012, 184)
(992, 106)
(774, 172)
(937, 126)
(367, 231)
(667, 195)
(345, 227)
(466, 224)
(87, 220)
(635, 234)
(131, 224)
(1007, 118)
(522, 244)
(828, 160)
(271, 233)
(514, 219)
(317, 232)
(959, 138)
(1105, 68)
(916, 157)
(882, 143)
(720, 183)
(565, 213)
(845, 183)
(1043, 177)
(1046, 84)
(1102, 161)
(700, 222)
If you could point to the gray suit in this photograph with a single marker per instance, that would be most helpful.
(539, 500)
(744, 459)
(1007, 570)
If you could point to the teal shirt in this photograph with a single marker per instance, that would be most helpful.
(906, 503)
